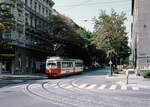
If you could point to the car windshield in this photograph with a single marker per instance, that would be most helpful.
(51, 65)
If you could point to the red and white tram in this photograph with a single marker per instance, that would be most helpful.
(57, 66)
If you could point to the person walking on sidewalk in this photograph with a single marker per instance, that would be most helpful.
(137, 72)
(127, 75)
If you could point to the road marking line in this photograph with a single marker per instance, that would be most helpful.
(56, 87)
(53, 84)
(68, 87)
(91, 86)
(135, 88)
(83, 85)
(113, 87)
(102, 87)
(123, 87)
(63, 85)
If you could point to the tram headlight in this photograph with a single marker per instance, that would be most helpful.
(50, 71)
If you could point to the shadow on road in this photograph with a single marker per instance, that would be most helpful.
(8, 80)
(19, 79)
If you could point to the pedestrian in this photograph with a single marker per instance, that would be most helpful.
(127, 75)
(136, 72)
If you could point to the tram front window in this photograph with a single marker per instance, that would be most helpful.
(52, 65)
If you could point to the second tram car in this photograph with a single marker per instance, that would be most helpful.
(58, 67)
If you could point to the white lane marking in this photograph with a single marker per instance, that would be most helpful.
(68, 87)
(52, 85)
(56, 87)
(36, 85)
(102, 87)
(91, 86)
(135, 88)
(63, 85)
(123, 87)
(113, 87)
(83, 85)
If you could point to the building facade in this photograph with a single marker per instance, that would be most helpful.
(141, 34)
(28, 49)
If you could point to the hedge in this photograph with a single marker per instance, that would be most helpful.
(146, 74)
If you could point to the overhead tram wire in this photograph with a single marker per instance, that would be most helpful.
(90, 4)
(94, 3)
(67, 9)
(80, 4)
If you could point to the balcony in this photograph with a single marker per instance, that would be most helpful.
(9, 36)
(37, 46)
(51, 3)
(38, 33)
(13, 39)
(6, 1)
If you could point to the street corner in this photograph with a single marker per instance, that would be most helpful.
(135, 85)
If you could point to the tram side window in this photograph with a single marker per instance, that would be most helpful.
(78, 64)
(58, 65)
(67, 64)
(52, 65)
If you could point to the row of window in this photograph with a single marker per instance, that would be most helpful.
(147, 60)
(38, 7)
(79, 64)
(64, 65)
(5, 5)
(35, 22)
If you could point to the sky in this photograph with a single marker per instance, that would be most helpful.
(82, 12)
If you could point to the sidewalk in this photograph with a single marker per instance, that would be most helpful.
(23, 75)
(133, 80)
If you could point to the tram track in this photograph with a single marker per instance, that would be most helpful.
(47, 98)
(78, 100)
(71, 101)
(107, 101)
(70, 97)
(87, 97)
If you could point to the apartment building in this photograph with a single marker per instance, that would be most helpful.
(141, 34)
(29, 41)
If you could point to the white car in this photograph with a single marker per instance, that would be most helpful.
(131, 70)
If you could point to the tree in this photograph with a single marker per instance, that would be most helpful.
(75, 41)
(111, 36)
(65, 36)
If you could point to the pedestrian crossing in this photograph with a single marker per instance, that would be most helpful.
(123, 87)
(113, 87)
(100, 87)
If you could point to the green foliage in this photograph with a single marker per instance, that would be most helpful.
(146, 74)
(110, 34)
(75, 41)
(6, 23)
(64, 32)
(6, 20)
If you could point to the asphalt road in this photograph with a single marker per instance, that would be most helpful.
(90, 89)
